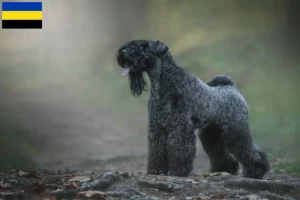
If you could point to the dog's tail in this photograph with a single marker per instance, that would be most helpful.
(221, 80)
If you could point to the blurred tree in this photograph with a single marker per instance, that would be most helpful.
(293, 24)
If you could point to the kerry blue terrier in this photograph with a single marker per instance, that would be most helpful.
(181, 103)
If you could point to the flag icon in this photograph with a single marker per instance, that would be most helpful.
(22, 15)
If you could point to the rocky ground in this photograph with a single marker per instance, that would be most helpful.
(106, 185)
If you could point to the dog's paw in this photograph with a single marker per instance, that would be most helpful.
(179, 173)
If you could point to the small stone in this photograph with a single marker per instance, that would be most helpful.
(125, 174)
(92, 195)
(254, 197)
(80, 179)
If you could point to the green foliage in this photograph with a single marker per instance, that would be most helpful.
(290, 167)
(188, 24)
(16, 149)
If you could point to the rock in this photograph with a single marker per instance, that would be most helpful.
(198, 198)
(202, 197)
(160, 185)
(5, 194)
(5, 186)
(92, 195)
(104, 182)
(125, 174)
(13, 181)
(130, 194)
(254, 197)
(22, 173)
(29, 173)
(205, 175)
(80, 179)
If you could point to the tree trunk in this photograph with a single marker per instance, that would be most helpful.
(293, 25)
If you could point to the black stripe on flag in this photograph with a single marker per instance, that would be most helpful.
(22, 24)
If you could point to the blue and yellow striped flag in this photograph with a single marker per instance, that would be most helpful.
(22, 15)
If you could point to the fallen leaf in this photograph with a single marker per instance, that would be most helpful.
(45, 196)
(254, 197)
(57, 190)
(218, 196)
(28, 191)
(22, 173)
(202, 197)
(92, 195)
(80, 179)
(219, 174)
(72, 186)
(13, 181)
(4, 194)
(29, 173)
(189, 180)
(40, 195)
(125, 174)
(5, 186)
(205, 175)
(39, 189)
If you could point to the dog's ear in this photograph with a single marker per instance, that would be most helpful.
(161, 48)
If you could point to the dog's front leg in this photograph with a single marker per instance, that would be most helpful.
(181, 148)
(157, 154)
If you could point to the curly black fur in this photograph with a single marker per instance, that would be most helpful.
(137, 83)
(180, 103)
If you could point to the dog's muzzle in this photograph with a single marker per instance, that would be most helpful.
(124, 61)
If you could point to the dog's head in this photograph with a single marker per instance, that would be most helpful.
(138, 56)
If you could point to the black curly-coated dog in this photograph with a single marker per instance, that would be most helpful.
(181, 103)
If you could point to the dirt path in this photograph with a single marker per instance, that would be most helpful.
(106, 185)
(74, 135)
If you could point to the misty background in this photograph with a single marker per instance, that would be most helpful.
(64, 102)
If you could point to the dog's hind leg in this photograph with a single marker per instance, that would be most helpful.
(157, 153)
(181, 147)
(213, 145)
(240, 143)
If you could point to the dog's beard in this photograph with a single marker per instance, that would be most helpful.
(137, 82)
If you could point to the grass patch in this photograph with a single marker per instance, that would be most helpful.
(290, 167)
